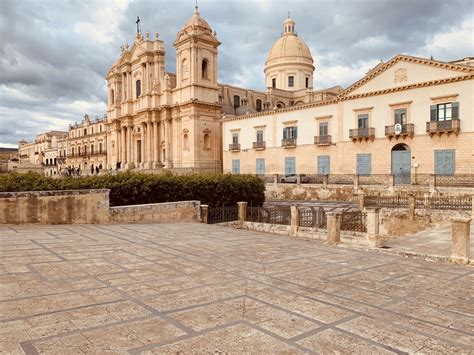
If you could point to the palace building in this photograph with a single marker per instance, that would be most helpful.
(406, 116)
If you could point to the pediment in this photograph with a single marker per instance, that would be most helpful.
(403, 71)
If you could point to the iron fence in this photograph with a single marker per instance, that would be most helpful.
(272, 214)
(460, 180)
(386, 201)
(313, 217)
(375, 179)
(444, 203)
(420, 179)
(222, 214)
(354, 221)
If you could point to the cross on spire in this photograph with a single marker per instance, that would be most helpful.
(138, 24)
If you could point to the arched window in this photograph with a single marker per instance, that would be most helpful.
(236, 101)
(92, 148)
(258, 105)
(138, 88)
(112, 96)
(185, 141)
(207, 141)
(204, 69)
(184, 68)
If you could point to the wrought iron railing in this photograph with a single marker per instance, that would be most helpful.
(407, 129)
(386, 201)
(288, 142)
(444, 203)
(313, 217)
(354, 221)
(453, 125)
(222, 214)
(272, 214)
(234, 147)
(258, 145)
(361, 133)
(322, 140)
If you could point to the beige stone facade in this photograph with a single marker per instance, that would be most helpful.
(357, 131)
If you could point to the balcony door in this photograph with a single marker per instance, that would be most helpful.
(401, 164)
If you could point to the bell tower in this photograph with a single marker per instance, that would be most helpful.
(196, 60)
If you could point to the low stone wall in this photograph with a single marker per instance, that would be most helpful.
(183, 211)
(54, 207)
(87, 206)
(302, 192)
(355, 238)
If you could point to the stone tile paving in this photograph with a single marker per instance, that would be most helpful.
(192, 288)
(436, 241)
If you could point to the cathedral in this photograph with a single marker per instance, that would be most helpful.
(158, 120)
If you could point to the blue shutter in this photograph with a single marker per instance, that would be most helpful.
(290, 166)
(455, 110)
(363, 164)
(284, 133)
(296, 132)
(445, 161)
(260, 166)
(236, 166)
(324, 165)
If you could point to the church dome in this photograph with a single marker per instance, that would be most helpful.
(196, 21)
(289, 53)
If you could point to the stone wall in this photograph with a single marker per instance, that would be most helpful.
(87, 206)
(183, 211)
(54, 207)
(302, 192)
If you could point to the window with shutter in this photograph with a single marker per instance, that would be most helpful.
(363, 164)
(401, 116)
(236, 166)
(290, 166)
(363, 121)
(323, 165)
(323, 129)
(260, 166)
(445, 161)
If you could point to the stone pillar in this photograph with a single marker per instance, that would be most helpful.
(204, 213)
(298, 179)
(372, 235)
(361, 199)
(123, 146)
(356, 182)
(143, 146)
(391, 181)
(461, 230)
(156, 145)
(275, 179)
(242, 211)
(295, 220)
(118, 143)
(334, 220)
(325, 180)
(411, 207)
(129, 145)
(432, 182)
(472, 208)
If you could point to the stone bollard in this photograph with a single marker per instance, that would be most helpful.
(295, 220)
(411, 208)
(391, 181)
(361, 199)
(204, 213)
(325, 180)
(242, 211)
(432, 182)
(275, 179)
(461, 249)
(372, 237)
(356, 182)
(334, 227)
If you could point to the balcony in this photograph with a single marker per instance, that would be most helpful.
(259, 145)
(288, 143)
(234, 147)
(322, 140)
(359, 134)
(99, 152)
(440, 127)
(407, 130)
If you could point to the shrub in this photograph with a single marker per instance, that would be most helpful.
(137, 188)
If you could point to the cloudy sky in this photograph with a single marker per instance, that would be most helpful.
(54, 54)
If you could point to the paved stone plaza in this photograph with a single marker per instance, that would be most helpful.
(196, 288)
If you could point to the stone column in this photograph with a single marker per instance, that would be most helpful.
(118, 142)
(325, 180)
(372, 236)
(334, 220)
(129, 145)
(411, 207)
(204, 213)
(298, 179)
(295, 220)
(142, 146)
(432, 182)
(461, 230)
(156, 145)
(391, 181)
(361, 199)
(242, 211)
(123, 146)
(356, 182)
(150, 145)
(275, 179)
(472, 208)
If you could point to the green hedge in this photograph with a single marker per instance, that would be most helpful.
(136, 188)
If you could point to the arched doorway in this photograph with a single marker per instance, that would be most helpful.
(401, 164)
